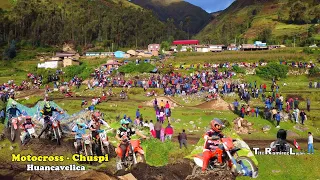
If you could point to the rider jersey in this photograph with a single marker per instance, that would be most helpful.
(13, 111)
(27, 125)
(128, 132)
(48, 111)
(212, 144)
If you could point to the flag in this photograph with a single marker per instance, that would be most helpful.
(295, 143)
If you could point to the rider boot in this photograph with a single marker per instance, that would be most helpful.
(219, 153)
(207, 155)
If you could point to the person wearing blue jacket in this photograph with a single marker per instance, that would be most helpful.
(278, 118)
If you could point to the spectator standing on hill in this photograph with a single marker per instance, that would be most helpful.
(308, 105)
(291, 103)
(161, 104)
(151, 125)
(278, 118)
(242, 111)
(296, 103)
(169, 115)
(257, 111)
(310, 143)
(296, 114)
(168, 132)
(138, 113)
(157, 128)
(183, 139)
(288, 106)
(236, 106)
(2, 116)
(155, 103)
(303, 116)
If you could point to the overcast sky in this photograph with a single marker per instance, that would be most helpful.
(211, 5)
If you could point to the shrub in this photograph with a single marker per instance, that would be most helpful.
(238, 69)
(273, 70)
(81, 71)
(140, 68)
(314, 72)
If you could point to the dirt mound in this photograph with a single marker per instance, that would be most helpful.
(242, 126)
(221, 175)
(172, 102)
(177, 171)
(218, 104)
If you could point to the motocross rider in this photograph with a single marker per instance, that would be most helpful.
(12, 112)
(78, 131)
(26, 125)
(46, 113)
(211, 146)
(94, 126)
(123, 135)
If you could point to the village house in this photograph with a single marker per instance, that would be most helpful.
(215, 48)
(153, 47)
(60, 60)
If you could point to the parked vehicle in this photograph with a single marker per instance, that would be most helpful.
(134, 155)
(240, 166)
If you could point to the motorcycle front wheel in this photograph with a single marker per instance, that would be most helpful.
(13, 133)
(196, 170)
(249, 164)
(140, 158)
(56, 132)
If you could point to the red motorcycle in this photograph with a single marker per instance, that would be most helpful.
(134, 155)
(14, 127)
(240, 166)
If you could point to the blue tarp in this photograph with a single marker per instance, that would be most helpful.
(119, 54)
(35, 110)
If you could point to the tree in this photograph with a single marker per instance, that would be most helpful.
(165, 46)
(10, 52)
(187, 20)
(273, 70)
(297, 13)
(179, 47)
(265, 35)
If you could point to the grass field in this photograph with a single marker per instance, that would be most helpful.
(194, 120)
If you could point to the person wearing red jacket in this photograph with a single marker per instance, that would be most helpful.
(168, 132)
(211, 146)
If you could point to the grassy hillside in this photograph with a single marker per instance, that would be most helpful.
(178, 10)
(246, 20)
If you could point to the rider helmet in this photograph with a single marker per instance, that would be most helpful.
(14, 104)
(124, 122)
(216, 125)
(28, 118)
(96, 116)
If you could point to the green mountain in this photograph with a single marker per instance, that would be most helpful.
(272, 21)
(186, 16)
(105, 23)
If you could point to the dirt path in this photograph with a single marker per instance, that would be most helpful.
(24, 94)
